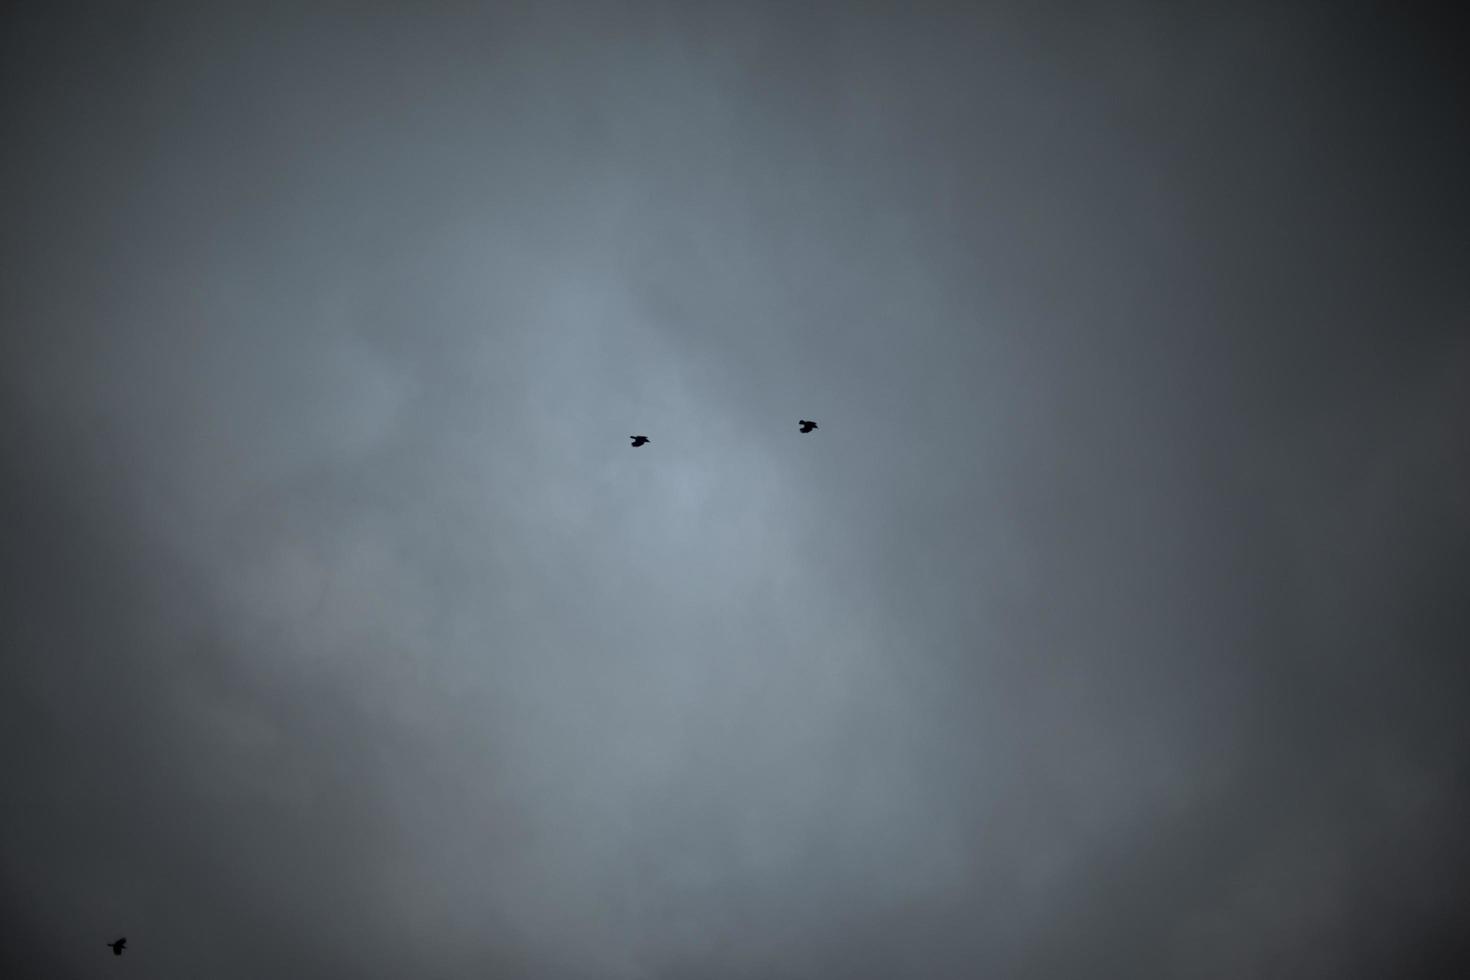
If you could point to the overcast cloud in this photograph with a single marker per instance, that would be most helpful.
(1113, 623)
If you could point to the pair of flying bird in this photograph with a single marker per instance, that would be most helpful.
(806, 426)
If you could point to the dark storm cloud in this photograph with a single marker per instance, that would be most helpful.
(1109, 625)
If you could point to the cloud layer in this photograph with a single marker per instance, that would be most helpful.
(1110, 624)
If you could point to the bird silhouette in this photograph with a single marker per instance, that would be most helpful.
(117, 945)
(638, 440)
(806, 425)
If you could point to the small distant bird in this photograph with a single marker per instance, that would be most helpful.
(806, 425)
(638, 440)
(117, 946)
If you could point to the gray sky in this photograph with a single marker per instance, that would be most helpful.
(1112, 624)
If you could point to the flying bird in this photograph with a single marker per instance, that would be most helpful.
(806, 425)
(117, 946)
(638, 440)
